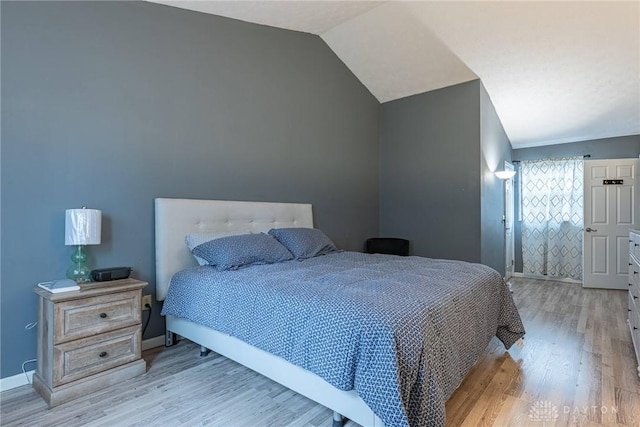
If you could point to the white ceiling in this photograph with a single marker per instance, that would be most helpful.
(556, 71)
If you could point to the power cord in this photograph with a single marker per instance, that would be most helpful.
(24, 371)
(31, 325)
(148, 318)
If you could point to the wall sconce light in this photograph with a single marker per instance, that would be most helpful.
(81, 227)
(505, 174)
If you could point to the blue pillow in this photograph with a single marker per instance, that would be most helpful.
(196, 239)
(304, 243)
(233, 252)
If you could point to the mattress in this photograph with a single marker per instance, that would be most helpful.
(402, 331)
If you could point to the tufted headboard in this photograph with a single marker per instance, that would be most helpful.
(175, 218)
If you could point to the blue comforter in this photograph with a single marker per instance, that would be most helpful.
(402, 331)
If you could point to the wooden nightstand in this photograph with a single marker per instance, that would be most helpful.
(88, 339)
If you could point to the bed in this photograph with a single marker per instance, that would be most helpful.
(351, 392)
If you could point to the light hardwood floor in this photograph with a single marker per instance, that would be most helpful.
(577, 368)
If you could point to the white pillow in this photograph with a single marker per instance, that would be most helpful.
(196, 239)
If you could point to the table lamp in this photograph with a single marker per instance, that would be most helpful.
(81, 227)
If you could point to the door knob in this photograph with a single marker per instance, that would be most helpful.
(589, 229)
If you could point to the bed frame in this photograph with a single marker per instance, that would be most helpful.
(174, 219)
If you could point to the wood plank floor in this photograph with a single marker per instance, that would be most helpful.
(577, 368)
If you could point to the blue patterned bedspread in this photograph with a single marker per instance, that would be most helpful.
(402, 331)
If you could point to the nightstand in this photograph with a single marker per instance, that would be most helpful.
(88, 339)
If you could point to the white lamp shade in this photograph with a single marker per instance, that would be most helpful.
(82, 227)
(506, 174)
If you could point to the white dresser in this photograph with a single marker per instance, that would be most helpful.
(634, 291)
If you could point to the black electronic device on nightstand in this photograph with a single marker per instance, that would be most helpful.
(113, 273)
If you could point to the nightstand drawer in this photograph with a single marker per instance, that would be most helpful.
(89, 316)
(92, 355)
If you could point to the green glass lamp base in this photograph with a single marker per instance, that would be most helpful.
(78, 270)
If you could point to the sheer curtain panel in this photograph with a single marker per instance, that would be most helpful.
(552, 217)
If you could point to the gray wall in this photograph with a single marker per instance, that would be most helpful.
(438, 154)
(495, 150)
(110, 104)
(608, 148)
(430, 172)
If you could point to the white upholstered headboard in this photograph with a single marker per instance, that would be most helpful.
(175, 218)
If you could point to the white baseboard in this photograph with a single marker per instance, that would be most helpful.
(21, 379)
(15, 381)
(550, 279)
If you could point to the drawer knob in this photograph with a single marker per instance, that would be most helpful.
(103, 315)
(103, 354)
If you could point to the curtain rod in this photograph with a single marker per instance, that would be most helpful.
(586, 156)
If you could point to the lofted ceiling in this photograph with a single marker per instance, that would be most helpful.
(556, 71)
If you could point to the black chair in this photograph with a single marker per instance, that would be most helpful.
(387, 245)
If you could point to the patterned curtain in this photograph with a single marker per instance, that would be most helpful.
(552, 217)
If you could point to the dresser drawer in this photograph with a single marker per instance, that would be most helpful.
(89, 356)
(634, 245)
(89, 316)
(634, 324)
(634, 294)
(634, 273)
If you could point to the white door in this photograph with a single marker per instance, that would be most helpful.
(610, 209)
(508, 224)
